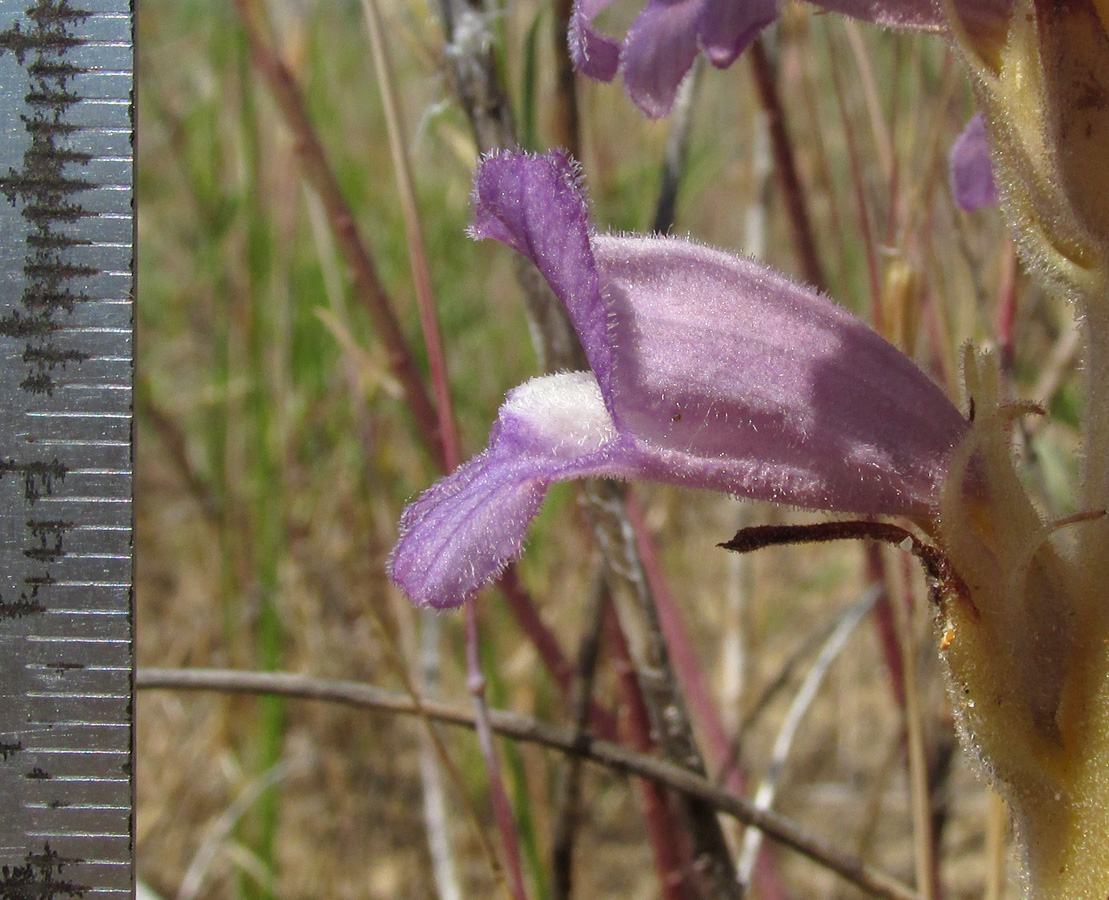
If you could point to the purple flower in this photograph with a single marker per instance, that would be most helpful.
(664, 40)
(972, 180)
(707, 370)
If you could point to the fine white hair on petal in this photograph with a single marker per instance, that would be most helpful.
(565, 413)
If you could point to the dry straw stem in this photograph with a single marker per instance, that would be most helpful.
(565, 739)
(568, 812)
(447, 433)
(768, 789)
(435, 741)
(417, 253)
(367, 285)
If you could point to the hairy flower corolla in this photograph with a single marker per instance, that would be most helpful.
(707, 370)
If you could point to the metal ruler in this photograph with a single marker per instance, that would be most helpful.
(66, 263)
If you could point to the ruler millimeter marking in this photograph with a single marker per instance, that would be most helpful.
(66, 353)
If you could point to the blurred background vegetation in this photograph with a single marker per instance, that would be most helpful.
(276, 449)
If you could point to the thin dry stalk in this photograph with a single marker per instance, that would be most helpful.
(568, 797)
(367, 286)
(666, 704)
(437, 820)
(502, 810)
(783, 743)
(837, 229)
(884, 623)
(567, 112)
(219, 831)
(434, 799)
(401, 669)
(785, 166)
(883, 143)
(919, 794)
(858, 184)
(564, 739)
(413, 231)
(768, 694)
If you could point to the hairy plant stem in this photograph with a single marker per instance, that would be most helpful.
(1066, 835)
(1095, 479)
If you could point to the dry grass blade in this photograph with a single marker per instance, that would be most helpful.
(221, 829)
(802, 700)
(318, 171)
(417, 252)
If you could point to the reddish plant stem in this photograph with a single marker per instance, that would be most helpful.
(884, 622)
(502, 810)
(785, 166)
(663, 827)
(567, 118)
(730, 772)
(367, 286)
(546, 644)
